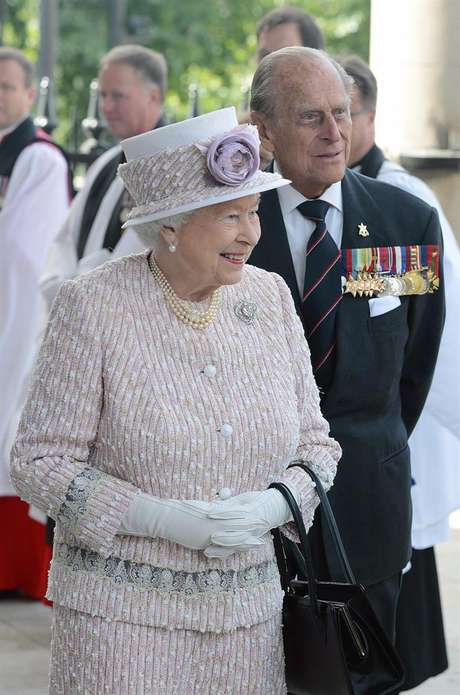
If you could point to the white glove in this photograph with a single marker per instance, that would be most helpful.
(264, 510)
(187, 522)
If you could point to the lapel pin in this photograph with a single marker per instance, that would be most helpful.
(362, 229)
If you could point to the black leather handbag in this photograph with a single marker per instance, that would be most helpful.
(333, 641)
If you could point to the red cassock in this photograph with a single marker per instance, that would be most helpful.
(24, 554)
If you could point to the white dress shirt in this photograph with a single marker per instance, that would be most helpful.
(299, 229)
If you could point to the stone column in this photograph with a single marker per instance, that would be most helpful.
(116, 17)
(48, 38)
(415, 56)
(46, 102)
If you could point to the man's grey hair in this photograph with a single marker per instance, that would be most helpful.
(149, 232)
(150, 65)
(19, 57)
(263, 94)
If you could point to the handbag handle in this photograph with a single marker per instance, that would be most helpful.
(303, 558)
(330, 520)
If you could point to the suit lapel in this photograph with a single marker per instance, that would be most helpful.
(359, 208)
(273, 252)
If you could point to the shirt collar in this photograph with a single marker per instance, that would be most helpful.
(290, 198)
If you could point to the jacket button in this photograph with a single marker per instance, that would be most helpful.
(210, 370)
(226, 430)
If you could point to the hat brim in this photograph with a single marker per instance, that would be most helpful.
(232, 194)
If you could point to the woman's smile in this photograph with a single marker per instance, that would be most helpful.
(235, 258)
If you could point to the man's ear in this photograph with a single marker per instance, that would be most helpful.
(155, 95)
(31, 95)
(265, 134)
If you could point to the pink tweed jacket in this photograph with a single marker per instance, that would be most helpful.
(127, 398)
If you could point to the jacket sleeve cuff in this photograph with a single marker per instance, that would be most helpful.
(94, 506)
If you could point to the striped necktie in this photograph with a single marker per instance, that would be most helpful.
(322, 291)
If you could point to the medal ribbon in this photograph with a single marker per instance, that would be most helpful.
(392, 260)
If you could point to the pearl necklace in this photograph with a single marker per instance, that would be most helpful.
(181, 307)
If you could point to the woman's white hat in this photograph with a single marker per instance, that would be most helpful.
(189, 165)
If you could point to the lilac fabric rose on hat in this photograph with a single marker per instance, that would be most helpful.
(234, 157)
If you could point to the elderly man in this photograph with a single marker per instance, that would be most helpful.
(34, 199)
(132, 82)
(373, 356)
(437, 435)
(281, 27)
(287, 26)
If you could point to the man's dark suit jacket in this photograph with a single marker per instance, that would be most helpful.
(384, 366)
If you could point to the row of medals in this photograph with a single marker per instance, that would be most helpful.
(376, 284)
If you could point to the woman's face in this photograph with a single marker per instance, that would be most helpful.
(212, 246)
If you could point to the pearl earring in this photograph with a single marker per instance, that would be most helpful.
(172, 248)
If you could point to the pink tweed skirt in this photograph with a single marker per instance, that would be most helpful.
(95, 656)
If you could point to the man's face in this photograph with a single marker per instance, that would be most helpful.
(363, 132)
(16, 98)
(283, 35)
(310, 132)
(130, 105)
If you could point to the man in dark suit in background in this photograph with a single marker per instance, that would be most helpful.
(373, 356)
(287, 26)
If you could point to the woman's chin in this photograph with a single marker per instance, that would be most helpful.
(232, 277)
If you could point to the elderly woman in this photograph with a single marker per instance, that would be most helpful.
(171, 389)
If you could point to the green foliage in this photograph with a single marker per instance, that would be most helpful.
(82, 41)
(210, 43)
(22, 26)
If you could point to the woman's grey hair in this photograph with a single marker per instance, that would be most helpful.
(149, 232)
(263, 93)
(150, 65)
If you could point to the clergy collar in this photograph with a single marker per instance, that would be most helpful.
(290, 198)
(371, 163)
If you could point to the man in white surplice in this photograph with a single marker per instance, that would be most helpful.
(34, 199)
(132, 83)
